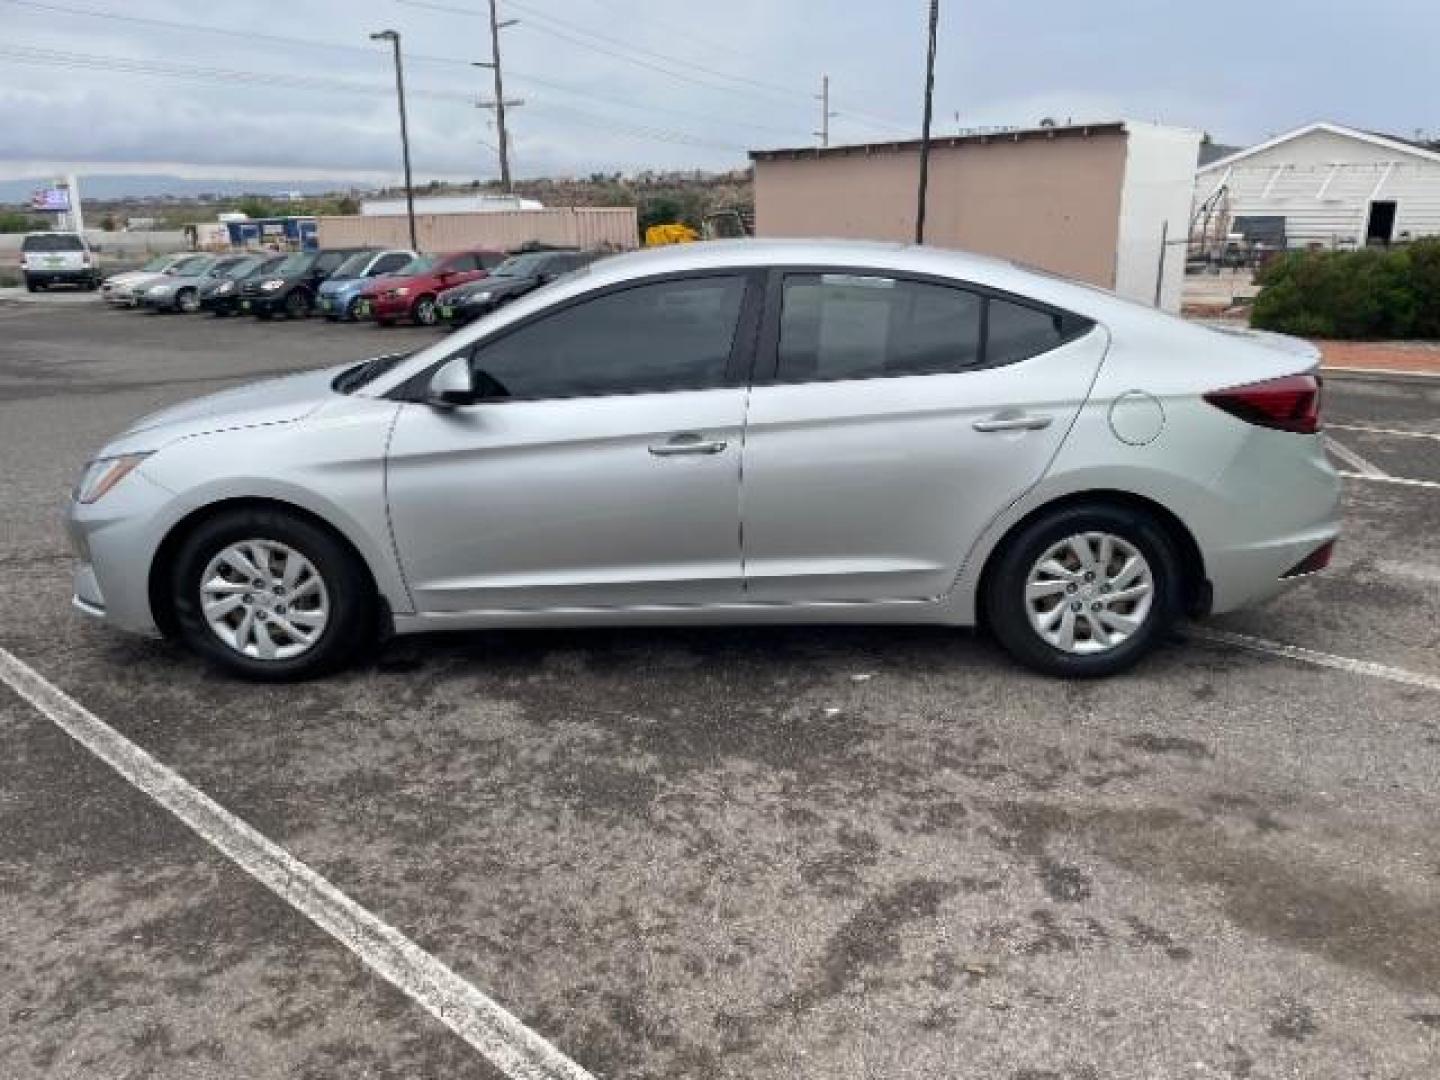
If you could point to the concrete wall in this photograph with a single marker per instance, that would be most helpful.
(1155, 213)
(586, 227)
(1323, 182)
(1054, 204)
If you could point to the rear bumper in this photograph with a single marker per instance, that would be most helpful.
(63, 277)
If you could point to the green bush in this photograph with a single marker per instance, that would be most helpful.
(1389, 293)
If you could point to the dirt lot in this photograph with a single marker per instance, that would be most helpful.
(731, 853)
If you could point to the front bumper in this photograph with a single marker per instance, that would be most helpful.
(115, 541)
(389, 307)
(263, 304)
(158, 303)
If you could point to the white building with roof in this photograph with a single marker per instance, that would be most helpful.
(1322, 185)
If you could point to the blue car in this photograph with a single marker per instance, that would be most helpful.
(338, 297)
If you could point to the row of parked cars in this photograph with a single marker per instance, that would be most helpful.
(381, 285)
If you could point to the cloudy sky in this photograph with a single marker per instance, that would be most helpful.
(142, 86)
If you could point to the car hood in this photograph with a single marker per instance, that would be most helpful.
(275, 401)
(342, 284)
(498, 286)
(134, 277)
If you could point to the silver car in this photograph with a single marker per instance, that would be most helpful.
(180, 290)
(747, 432)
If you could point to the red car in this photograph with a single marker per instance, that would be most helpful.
(410, 292)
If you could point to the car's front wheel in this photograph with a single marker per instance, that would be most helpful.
(1084, 591)
(271, 596)
(297, 305)
(187, 301)
(425, 312)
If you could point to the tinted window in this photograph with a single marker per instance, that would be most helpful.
(851, 326)
(52, 242)
(388, 264)
(461, 264)
(490, 259)
(326, 262)
(1017, 332)
(669, 335)
(293, 264)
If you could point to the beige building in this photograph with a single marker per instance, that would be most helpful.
(609, 227)
(1105, 203)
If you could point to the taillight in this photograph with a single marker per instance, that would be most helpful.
(1291, 403)
(1313, 563)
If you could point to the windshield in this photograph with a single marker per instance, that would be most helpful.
(157, 264)
(354, 266)
(418, 265)
(296, 263)
(195, 264)
(238, 269)
(527, 265)
(52, 242)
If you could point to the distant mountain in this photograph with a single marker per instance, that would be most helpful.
(127, 186)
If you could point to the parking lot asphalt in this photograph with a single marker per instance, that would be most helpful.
(781, 852)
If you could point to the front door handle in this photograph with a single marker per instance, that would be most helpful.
(688, 443)
(1013, 423)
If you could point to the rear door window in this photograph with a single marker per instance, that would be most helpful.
(860, 326)
(388, 264)
(53, 242)
(837, 326)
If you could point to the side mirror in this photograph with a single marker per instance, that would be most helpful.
(452, 385)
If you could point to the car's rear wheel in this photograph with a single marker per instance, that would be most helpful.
(424, 312)
(271, 596)
(188, 301)
(297, 305)
(1084, 591)
(357, 309)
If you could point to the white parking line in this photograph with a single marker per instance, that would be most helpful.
(1366, 429)
(1391, 480)
(1311, 656)
(504, 1041)
(1354, 460)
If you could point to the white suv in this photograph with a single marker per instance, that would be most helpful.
(58, 258)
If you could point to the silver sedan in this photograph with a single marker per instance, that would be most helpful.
(797, 432)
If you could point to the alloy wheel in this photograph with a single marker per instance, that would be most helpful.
(264, 600)
(425, 311)
(1089, 593)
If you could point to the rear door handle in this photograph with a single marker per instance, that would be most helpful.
(688, 443)
(1013, 423)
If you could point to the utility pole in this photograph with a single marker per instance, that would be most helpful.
(825, 114)
(925, 131)
(499, 104)
(393, 36)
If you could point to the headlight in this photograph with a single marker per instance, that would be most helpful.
(481, 296)
(272, 284)
(226, 287)
(103, 474)
(403, 290)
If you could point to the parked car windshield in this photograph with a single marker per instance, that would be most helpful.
(160, 262)
(418, 265)
(519, 266)
(296, 263)
(52, 242)
(195, 264)
(238, 269)
(354, 266)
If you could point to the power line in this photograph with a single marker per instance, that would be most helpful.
(653, 61)
(203, 73)
(369, 55)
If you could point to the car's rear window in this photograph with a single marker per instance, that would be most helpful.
(53, 242)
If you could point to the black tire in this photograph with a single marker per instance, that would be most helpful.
(32, 286)
(1005, 585)
(424, 312)
(384, 324)
(187, 301)
(354, 309)
(352, 626)
(297, 305)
